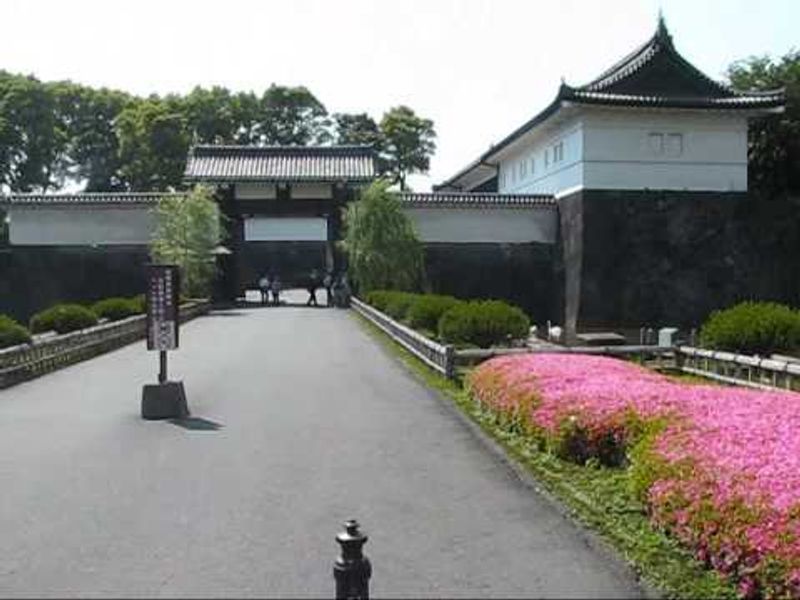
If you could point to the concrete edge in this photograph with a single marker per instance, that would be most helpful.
(518, 471)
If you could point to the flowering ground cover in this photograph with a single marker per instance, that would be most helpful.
(717, 467)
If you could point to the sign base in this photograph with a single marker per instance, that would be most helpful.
(164, 401)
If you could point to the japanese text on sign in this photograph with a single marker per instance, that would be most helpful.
(163, 285)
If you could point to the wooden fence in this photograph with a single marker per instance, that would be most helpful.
(437, 356)
(26, 361)
(736, 369)
(739, 369)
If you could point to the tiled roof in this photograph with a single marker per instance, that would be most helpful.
(281, 163)
(476, 200)
(105, 198)
(654, 75)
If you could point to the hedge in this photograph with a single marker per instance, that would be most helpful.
(427, 309)
(483, 323)
(115, 309)
(63, 318)
(12, 333)
(753, 328)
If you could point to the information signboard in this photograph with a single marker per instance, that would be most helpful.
(163, 287)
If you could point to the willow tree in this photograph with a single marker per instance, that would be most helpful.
(188, 231)
(382, 247)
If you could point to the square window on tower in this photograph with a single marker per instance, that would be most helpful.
(655, 141)
(674, 144)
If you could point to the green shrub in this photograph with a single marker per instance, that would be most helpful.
(753, 328)
(398, 304)
(483, 323)
(63, 318)
(378, 298)
(115, 309)
(392, 302)
(12, 333)
(139, 303)
(427, 309)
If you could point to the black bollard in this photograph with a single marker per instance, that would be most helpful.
(352, 569)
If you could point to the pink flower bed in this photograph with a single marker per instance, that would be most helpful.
(718, 467)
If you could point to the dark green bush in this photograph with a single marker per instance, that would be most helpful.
(483, 323)
(427, 309)
(753, 328)
(378, 298)
(63, 318)
(392, 302)
(398, 304)
(139, 303)
(12, 333)
(115, 309)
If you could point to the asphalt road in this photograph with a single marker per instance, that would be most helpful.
(318, 424)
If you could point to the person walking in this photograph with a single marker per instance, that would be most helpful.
(313, 284)
(275, 287)
(327, 281)
(264, 286)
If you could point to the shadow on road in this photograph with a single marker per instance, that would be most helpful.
(197, 424)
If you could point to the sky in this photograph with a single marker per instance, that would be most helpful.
(477, 68)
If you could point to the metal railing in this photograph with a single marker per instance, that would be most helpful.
(26, 361)
(439, 357)
(739, 369)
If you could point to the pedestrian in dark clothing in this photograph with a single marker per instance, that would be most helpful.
(275, 287)
(264, 286)
(313, 284)
(327, 281)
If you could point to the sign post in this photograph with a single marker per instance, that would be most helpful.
(166, 399)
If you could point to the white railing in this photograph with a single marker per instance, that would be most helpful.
(26, 361)
(739, 369)
(437, 356)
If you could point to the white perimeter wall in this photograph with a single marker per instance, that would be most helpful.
(80, 226)
(698, 151)
(264, 191)
(630, 149)
(285, 229)
(537, 168)
(485, 225)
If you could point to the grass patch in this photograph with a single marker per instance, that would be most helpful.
(598, 497)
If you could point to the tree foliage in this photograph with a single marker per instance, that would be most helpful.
(52, 133)
(188, 230)
(774, 165)
(382, 247)
(408, 143)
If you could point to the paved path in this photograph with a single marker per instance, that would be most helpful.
(319, 424)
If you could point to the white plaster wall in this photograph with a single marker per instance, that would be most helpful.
(255, 191)
(285, 229)
(550, 174)
(619, 152)
(312, 190)
(80, 226)
(485, 225)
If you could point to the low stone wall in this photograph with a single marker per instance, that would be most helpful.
(27, 361)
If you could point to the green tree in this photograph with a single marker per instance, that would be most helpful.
(382, 247)
(87, 117)
(209, 116)
(188, 230)
(774, 141)
(153, 144)
(357, 129)
(292, 116)
(31, 143)
(409, 143)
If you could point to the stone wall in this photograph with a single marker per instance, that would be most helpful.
(523, 274)
(662, 257)
(35, 277)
